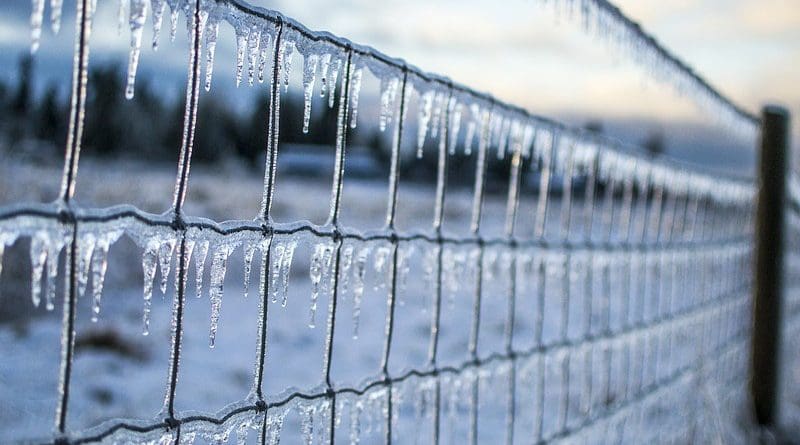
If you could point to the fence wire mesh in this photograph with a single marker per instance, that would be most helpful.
(602, 297)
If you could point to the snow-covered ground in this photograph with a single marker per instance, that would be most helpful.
(119, 373)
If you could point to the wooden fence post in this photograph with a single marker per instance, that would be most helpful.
(769, 238)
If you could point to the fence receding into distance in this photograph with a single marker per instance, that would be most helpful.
(624, 281)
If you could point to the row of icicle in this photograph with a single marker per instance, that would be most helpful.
(440, 111)
(358, 262)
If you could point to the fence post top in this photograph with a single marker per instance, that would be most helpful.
(775, 110)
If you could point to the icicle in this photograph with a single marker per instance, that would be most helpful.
(455, 127)
(253, 43)
(173, 23)
(325, 65)
(315, 273)
(355, 92)
(249, 251)
(388, 96)
(137, 20)
(286, 269)
(39, 243)
(219, 265)
(241, 51)
(287, 57)
(436, 118)
(334, 74)
(37, 16)
(122, 15)
(475, 113)
(347, 263)
(263, 57)
(355, 422)
(149, 265)
(158, 18)
(277, 262)
(55, 14)
(307, 425)
(85, 250)
(382, 266)
(165, 261)
(99, 267)
(200, 266)
(423, 120)
(359, 273)
(309, 77)
(211, 49)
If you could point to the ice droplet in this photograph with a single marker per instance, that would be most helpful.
(309, 77)
(355, 92)
(219, 264)
(138, 17)
(149, 265)
(37, 16)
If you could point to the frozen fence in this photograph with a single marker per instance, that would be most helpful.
(619, 283)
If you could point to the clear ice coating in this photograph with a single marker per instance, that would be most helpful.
(219, 265)
(309, 78)
(264, 54)
(138, 17)
(355, 92)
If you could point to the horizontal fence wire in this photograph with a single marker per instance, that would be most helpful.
(636, 268)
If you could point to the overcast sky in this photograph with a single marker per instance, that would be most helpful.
(518, 50)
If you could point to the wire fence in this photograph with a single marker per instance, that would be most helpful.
(625, 288)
